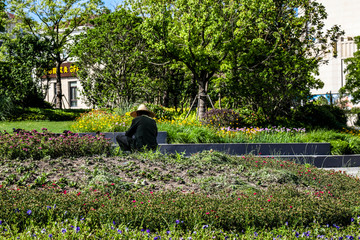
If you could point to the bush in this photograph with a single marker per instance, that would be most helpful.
(6, 107)
(252, 118)
(223, 118)
(325, 116)
(47, 114)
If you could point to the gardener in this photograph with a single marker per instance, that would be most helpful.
(143, 128)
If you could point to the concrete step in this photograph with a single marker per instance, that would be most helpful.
(250, 148)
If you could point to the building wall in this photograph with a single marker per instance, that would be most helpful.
(346, 14)
(66, 84)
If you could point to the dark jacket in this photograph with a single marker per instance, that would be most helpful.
(145, 131)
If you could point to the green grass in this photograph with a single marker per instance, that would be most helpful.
(52, 126)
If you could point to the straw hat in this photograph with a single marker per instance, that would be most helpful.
(142, 108)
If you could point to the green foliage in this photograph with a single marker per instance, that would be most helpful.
(115, 44)
(196, 34)
(3, 16)
(6, 107)
(179, 133)
(26, 58)
(223, 118)
(275, 73)
(54, 24)
(251, 118)
(314, 116)
(352, 74)
(41, 114)
(339, 147)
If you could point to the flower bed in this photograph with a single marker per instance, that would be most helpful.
(32, 144)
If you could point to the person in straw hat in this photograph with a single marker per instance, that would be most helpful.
(144, 130)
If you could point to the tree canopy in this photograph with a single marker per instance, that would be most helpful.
(56, 21)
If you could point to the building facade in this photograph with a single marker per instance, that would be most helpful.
(71, 87)
(346, 14)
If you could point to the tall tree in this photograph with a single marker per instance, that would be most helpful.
(352, 84)
(109, 57)
(275, 65)
(55, 21)
(25, 60)
(195, 33)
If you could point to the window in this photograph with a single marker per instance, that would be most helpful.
(73, 94)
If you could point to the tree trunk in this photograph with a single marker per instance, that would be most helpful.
(202, 98)
(58, 86)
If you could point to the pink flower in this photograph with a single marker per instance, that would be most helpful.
(207, 213)
(134, 201)
(269, 200)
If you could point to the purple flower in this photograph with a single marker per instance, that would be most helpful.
(1, 222)
(148, 230)
(119, 231)
(50, 235)
(29, 212)
(77, 229)
(63, 230)
(177, 221)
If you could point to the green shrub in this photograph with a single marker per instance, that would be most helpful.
(41, 114)
(223, 118)
(252, 118)
(326, 116)
(340, 147)
(6, 107)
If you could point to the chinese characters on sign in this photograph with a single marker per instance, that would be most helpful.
(66, 70)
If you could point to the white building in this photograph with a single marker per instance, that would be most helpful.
(70, 85)
(346, 14)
